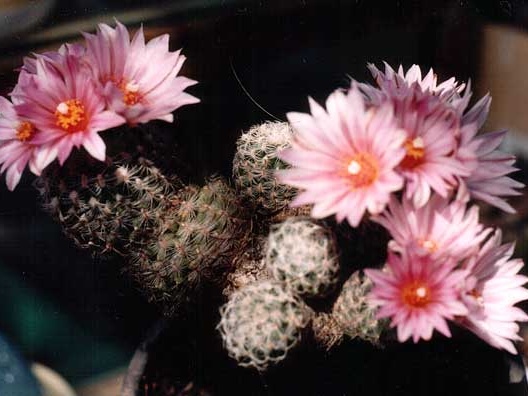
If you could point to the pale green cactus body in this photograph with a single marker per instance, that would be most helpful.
(302, 255)
(255, 163)
(261, 322)
(355, 316)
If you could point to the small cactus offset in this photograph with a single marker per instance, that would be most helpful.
(113, 208)
(247, 267)
(255, 162)
(353, 313)
(302, 255)
(261, 323)
(196, 241)
(326, 331)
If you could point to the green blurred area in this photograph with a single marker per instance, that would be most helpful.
(40, 329)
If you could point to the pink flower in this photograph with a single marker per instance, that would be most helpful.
(344, 157)
(16, 145)
(489, 167)
(140, 80)
(431, 126)
(440, 228)
(418, 294)
(474, 160)
(61, 101)
(429, 164)
(492, 288)
(29, 67)
(390, 81)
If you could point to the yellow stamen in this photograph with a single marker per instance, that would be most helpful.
(25, 131)
(131, 94)
(71, 116)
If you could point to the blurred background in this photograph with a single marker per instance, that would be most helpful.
(255, 60)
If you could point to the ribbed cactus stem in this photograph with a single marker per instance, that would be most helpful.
(196, 241)
(354, 314)
(302, 254)
(261, 323)
(255, 163)
(112, 209)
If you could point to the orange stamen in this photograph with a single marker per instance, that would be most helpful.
(416, 295)
(25, 131)
(131, 94)
(415, 153)
(362, 170)
(71, 116)
(428, 245)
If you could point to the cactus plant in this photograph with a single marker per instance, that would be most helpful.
(261, 323)
(247, 267)
(255, 162)
(196, 241)
(302, 254)
(111, 209)
(352, 312)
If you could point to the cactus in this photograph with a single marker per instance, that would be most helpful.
(248, 267)
(302, 255)
(261, 323)
(112, 209)
(255, 162)
(196, 241)
(327, 332)
(352, 312)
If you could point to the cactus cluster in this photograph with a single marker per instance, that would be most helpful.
(196, 240)
(302, 255)
(255, 163)
(261, 323)
(112, 209)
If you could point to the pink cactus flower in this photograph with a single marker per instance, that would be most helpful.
(493, 287)
(344, 158)
(440, 228)
(16, 145)
(390, 80)
(418, 294)
(140, 81)
(475, 160)
(29, 67)
(429, 164)
(61, 101)
(488, 167)
(431, 127)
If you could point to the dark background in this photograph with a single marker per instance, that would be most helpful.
(80, 315)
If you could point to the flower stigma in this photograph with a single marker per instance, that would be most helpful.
(416, 295)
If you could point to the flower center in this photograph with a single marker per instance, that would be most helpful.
(131, 94)
(428, 245)
(416, 295)
(477, 295)
(25, 131)
(362, 170)
(414, 153)
(71, 116)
